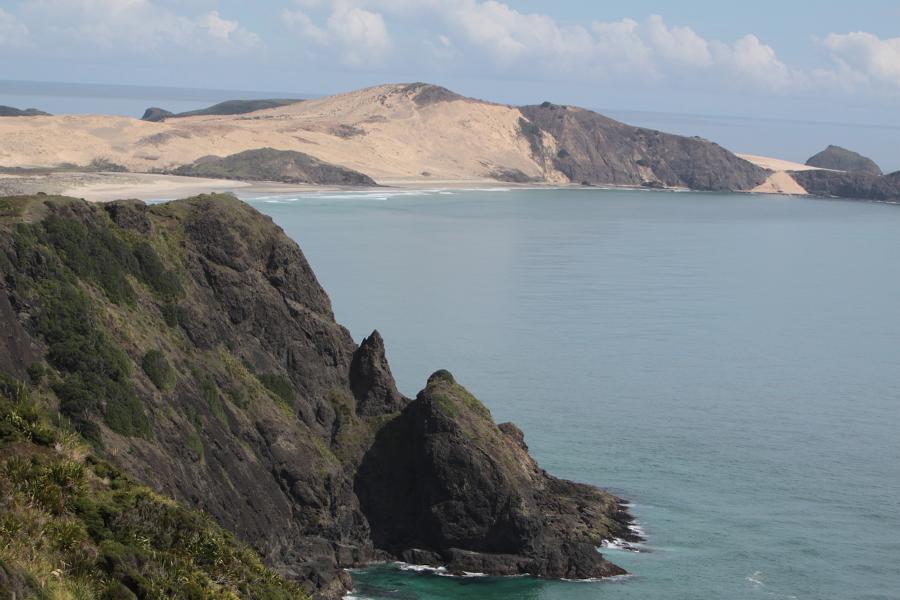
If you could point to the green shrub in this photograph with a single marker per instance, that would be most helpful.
(19, 419)
(441, 375)
(95, 253)
(173, 314)
(279, 385)
(36, 372)
(95, 378)
(158, 370)
(153, 272)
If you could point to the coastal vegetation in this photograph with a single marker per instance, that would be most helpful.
(73, 526)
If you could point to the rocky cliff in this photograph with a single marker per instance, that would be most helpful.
(855, 186)
(191, 344)
(590, 148)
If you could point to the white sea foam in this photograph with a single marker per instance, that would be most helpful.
(755, 579)
(421, 568)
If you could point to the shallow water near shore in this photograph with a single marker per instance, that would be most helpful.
(728, 363)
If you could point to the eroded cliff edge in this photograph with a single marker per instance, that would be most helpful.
(191, 343)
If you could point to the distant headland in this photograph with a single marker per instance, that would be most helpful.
(396, 135)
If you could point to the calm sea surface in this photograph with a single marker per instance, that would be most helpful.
(729, 363)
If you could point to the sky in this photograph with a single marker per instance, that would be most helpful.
(837, 62)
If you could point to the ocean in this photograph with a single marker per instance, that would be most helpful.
(727, 363)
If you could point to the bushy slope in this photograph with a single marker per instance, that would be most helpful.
(73, 526)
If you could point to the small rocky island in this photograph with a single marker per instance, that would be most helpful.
(192, 349)
(836, 158)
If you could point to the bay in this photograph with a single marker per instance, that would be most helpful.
(728, 363)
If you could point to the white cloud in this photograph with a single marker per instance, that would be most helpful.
(361, 33)
(649, 50)
(129, 26)
(13, 33)
(680, 45)
(862, 56)
(755, 63)
(359, 36)
(299, 21)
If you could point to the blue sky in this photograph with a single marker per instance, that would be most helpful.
(831, 61)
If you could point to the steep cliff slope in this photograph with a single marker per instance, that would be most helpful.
(191, 344)
(72, 526)
(594, 149)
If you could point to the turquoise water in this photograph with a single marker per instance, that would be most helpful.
(729, 363)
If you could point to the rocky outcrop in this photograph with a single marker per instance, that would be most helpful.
(841, 184)
(268, 164)
(371, 380)
(426, 94)
(193, 345)
(841, 159)
(228, 107)
(443, 485)
(594, 149)
(9, 111)
(156, 114)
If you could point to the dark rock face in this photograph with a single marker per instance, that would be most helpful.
(841, 159)
(371, 380)
(839, 184)
(9, 111)
(427, 94)
(17, 349)
(156, 114)
(228, 107)
(594, 149)
(276, 423)
(442, 484)
(268, 164)
(129, 214)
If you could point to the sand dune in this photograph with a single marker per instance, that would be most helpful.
(386, 132)
(776, 164)
(780, 182)
(402, 134)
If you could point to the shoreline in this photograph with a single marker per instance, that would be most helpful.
(151, 187)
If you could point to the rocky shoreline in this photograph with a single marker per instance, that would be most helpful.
(212, 370)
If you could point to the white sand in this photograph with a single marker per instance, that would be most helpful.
(780, 182)
(380, 131)
(775, 164)
(149, 187)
